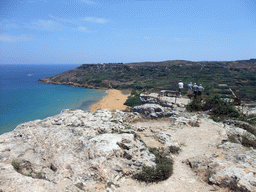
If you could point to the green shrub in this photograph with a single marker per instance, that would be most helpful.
(134, 92)
(233, 139)
(16, 165)
(247, 141)
(39, 175)
(162, 171)
(79, 185)
(195, 105)
(220, 108)
(133, 99)
(251, 119)
(174, 149)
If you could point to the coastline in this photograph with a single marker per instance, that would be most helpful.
(46, 80)
(114, 100)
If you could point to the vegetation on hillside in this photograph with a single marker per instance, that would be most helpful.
(219, 108)
(239, 76)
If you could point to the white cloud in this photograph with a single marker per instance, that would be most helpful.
(95, 20)
(11, 26)
(14, 38)
(83, 29)
(45, 24)
(70, 21)
(79, 20)
(6, 24)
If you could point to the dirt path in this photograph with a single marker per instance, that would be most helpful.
(196, 141)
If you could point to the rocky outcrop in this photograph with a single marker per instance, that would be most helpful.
(154, 106)
(153, 110)
(233, 167)
(72, 151)
(155, 98)
(97, 151)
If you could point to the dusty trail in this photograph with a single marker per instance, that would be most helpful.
(196, 141)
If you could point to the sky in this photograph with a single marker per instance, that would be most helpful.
(113, 31)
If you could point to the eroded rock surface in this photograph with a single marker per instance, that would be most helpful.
(100, 151)
(153, 110)
(233, 167)
(70, 151)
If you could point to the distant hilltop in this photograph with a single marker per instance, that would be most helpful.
(240, 76)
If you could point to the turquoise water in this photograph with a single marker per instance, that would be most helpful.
(23, 98)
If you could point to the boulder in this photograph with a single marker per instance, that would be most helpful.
(153, 110)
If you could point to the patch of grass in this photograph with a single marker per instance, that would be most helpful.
(115, 121)
(233, 139)
(247, 141)
(39, 175)
(16, 164)
(174, 149)
(111, 183)
(246, 126)
(128, 127)
(162, 171)
(79, 185)
(114, 131)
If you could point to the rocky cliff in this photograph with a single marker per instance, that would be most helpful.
(100, 151)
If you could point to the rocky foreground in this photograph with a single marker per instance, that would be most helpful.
(100, 151)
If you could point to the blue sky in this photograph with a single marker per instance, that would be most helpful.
(103, 31)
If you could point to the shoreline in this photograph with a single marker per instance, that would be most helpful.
(114, 100)
(47, 81)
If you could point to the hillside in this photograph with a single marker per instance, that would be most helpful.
(219, 76)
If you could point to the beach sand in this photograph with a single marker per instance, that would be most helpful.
(114, 100)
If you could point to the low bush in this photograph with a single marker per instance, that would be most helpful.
(174, 149)
(162, 171)
(247, 141)
(133, 99)
(220, 108)
(16, 165)
(233, 139)
(195, 105)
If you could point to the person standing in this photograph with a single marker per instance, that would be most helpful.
(190, 86)
(180, 85)
(200, 90)
(195, 87)
(190, 90)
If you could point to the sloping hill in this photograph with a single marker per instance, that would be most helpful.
(240, 76)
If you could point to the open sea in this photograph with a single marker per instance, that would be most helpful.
(23, 98)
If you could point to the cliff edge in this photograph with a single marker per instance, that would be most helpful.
(102, 150)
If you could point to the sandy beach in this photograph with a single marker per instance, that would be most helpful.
(114, 100)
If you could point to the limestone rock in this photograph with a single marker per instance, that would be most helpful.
(67, 151)
(153, 110)
(233, 168)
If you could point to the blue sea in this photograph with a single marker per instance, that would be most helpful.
(23, 98)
